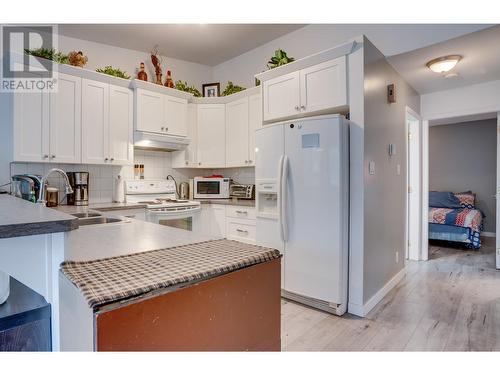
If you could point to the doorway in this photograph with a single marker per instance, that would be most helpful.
(448, 147)
(413, 201)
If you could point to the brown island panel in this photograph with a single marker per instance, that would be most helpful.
(238, 311)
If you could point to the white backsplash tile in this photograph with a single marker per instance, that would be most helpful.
(157, 165)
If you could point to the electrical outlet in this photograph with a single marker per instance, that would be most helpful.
(397, 256)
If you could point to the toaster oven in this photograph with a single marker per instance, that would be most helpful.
(242, 191)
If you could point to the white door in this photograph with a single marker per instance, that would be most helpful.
(149, 111)
(414, 204)
(498, 196)
(31, 126)
(218, 222)
(323, 86)
(95, 122)
(175, 116)
(237, 133)
(187, 157)
(211, 136)
(254, 123)
(281, 97)
(314, 212)
(65, 120)
(121, 148)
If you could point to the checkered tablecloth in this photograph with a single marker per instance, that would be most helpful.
(109, 280)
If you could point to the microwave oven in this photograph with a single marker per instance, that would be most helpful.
(211, 187)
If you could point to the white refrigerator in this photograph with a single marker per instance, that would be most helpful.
(302, 193)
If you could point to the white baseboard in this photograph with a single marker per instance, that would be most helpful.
(488, 234)
(362, 311)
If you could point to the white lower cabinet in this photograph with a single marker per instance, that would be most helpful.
(218, 220)
(228, 221)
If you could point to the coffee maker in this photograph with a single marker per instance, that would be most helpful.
(79, 181)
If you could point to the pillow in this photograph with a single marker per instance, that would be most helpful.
(443, 199)
(467, 199)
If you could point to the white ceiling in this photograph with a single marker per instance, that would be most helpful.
(208, 44)
(480, 62)
(461, 119)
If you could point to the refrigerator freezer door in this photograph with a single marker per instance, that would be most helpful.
(269, 147)
(316, 209)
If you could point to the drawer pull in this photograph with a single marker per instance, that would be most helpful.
(242, 212)
(241, 231)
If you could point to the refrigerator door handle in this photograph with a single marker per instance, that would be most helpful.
(279, 190)
(283, 192)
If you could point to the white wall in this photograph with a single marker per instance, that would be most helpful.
(101, 55)
(468, 100)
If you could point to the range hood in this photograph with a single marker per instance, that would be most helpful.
(161, 142)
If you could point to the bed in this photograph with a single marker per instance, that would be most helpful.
(453, 217)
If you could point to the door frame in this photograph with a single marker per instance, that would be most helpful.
(425, 182)
(497, 240)
(410, 114)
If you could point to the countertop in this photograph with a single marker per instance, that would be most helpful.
(19, 218)
(93, 242)
(230, 201)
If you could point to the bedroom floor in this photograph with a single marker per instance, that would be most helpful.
(451, 302)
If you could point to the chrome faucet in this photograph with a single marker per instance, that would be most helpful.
(41, 197)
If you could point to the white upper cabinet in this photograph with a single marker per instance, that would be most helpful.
(107, 123)
(237, 133)
(175, 116)
(47, 127)
(121, 126)
(254, 123)
(160, 113)
(65, 120)
(149, 108)
(211, 136)
(95, 122)
(187, 158)
(281, 96)
(31, 118)
(323, 86)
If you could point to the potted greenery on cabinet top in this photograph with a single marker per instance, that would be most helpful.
(115, 72)
(280, 58)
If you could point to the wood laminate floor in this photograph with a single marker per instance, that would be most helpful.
(450, 303)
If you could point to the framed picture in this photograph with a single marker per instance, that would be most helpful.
(211, 90)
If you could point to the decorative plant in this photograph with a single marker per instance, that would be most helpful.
(280, 58)
(49, 54)
(109, 70)
(232, 89)
(183, 86)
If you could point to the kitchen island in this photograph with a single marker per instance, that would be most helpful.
(225, 295)
(192, 292)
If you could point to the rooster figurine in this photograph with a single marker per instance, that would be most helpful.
(156, 61)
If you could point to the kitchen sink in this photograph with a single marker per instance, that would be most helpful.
(84, 215)
(100, 220)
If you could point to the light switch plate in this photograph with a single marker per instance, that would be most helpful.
(371, 167)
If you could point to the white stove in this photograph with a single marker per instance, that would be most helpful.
(162, 205)
(155, 194)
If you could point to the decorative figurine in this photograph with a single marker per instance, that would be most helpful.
(141, 74)
(169, 82)
(157, 60)
(77, 59)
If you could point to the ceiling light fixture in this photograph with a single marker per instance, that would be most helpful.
(443, 64)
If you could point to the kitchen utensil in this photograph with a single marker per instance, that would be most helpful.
(52, 196)
(184, 190)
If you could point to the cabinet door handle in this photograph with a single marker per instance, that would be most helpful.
(250, 161)
(187, 162)
(52, 156)
(166, 129)
(199, 163)
(112, 159)
(241, 230)
(303, 107)
(297, 108)
(45, 156)
(162, 128)
(242, 212)
(106, 159)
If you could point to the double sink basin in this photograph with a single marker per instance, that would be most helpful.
(94, 218)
